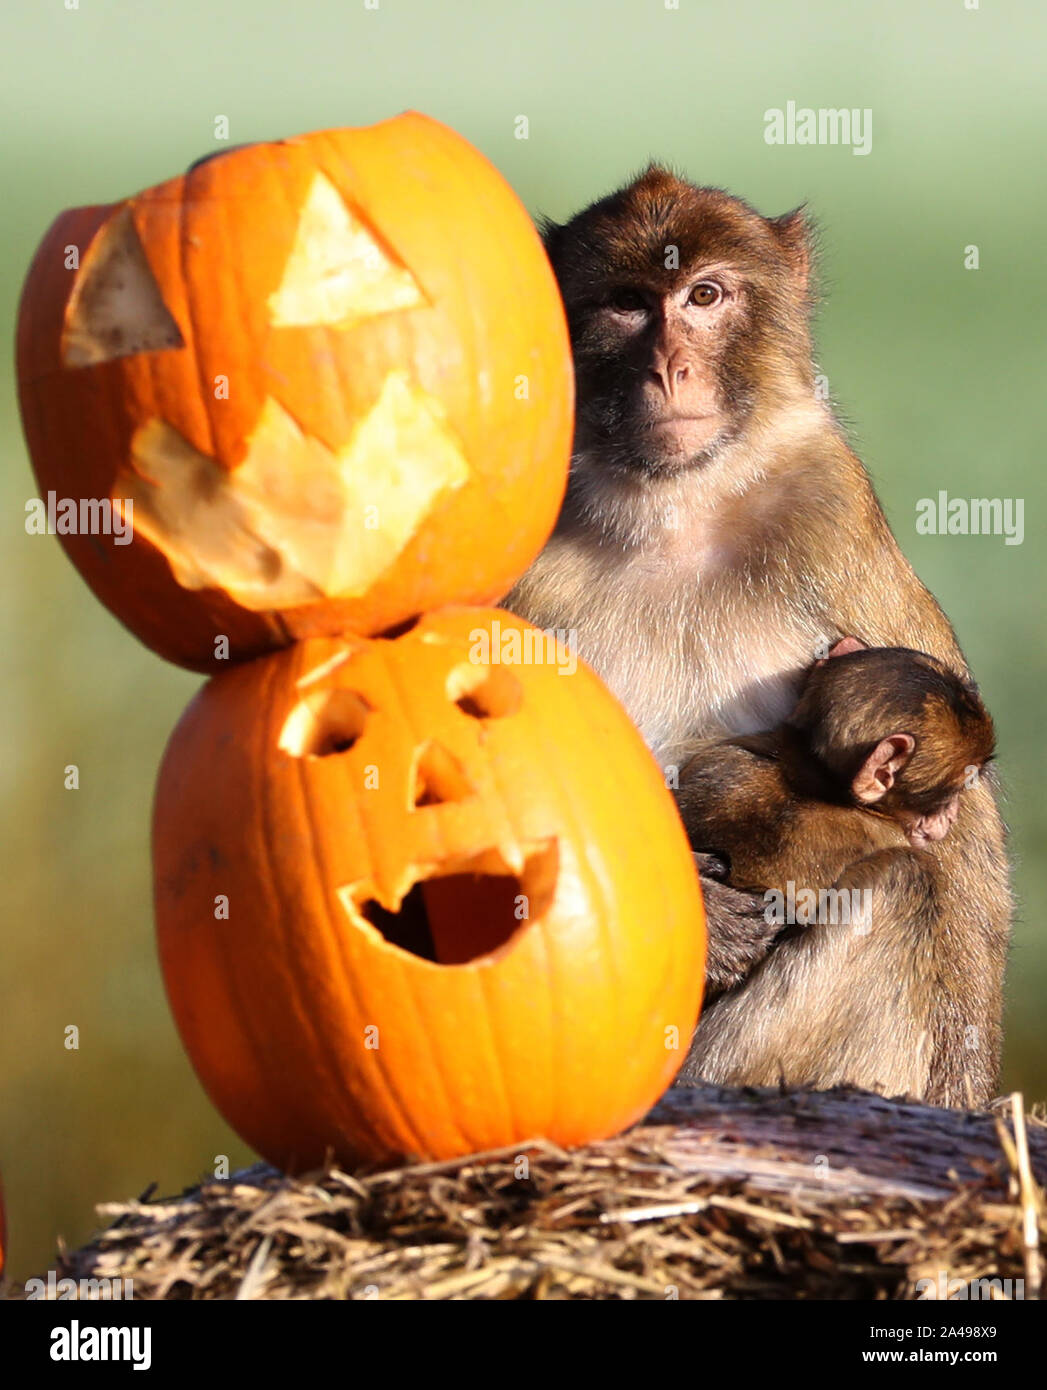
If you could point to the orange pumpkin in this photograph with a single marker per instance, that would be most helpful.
(327, 378)
(330, 818)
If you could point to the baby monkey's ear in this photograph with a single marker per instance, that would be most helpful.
(843, 647)
(875, 777)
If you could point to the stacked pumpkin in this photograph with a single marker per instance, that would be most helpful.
(414, 895)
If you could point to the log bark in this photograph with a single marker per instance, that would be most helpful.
(842, 1141)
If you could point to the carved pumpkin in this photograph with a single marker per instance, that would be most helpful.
(330, 818)
(331, 374)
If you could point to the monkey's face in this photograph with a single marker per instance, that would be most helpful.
(924, 829)
(898, 730)
(687, 312)
(656, 381)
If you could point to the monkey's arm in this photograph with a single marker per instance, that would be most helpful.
(739, 935)
(723, 796)
(851, 1002)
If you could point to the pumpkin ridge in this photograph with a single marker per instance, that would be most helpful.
(554, 1070)
(288, 912)
(336, 945)
(567, 790)
(229, 977)
(405, 964)
(417, 980)
(230, 974)
(196, 363)
(400, 1102)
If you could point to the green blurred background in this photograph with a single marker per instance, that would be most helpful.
(938, 372)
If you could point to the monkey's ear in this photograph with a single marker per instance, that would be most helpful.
(794, 233)
(875, 777)
(843, 647)
(552, 235)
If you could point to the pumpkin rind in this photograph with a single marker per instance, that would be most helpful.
(565, 1031)
(374, 299)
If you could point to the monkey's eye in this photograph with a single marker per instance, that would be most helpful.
(706, 294)
(624, 300)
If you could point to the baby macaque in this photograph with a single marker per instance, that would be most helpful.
(844, 796)
(875, 756)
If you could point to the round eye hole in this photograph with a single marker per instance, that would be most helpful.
(706, 294)
(624, 300)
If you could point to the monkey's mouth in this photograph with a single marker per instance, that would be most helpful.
(682, 438)
(625, 440)
(679, 419)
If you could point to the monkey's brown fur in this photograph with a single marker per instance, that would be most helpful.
(701, 586)
(781, 806)
(852, 701)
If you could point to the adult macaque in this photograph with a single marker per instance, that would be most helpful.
(866, 772)
(717, 535)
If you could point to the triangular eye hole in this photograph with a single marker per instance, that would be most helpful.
(485, 692)
(338, 273)
(116, 308)
(325, 722)
(438, 777)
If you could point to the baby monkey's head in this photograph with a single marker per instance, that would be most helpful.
(895, 730)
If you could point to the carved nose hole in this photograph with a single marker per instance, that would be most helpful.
(438, 777)
(326, 722)
(485, 692)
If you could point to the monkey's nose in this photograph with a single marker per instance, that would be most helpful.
(668, 376)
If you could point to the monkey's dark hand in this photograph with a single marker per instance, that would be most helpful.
(710, 865)
(739, 934)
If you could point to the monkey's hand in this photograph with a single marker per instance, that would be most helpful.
(712, 865)
(739, 934)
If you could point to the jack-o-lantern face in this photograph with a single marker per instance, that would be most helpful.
(415, 899)
(327, 382)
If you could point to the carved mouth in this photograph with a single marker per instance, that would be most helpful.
(465, 910)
